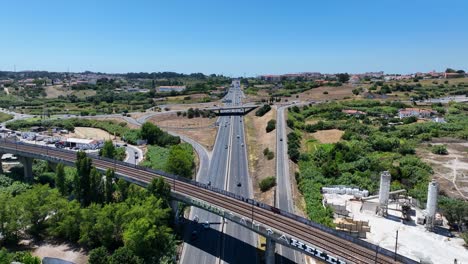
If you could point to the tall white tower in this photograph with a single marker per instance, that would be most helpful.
(384, 193)
(431, 205)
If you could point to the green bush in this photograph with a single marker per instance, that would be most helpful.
(267, 183)
(464, 236)
(270, 155)
(263, 110)
(439, 150)
(271, 125)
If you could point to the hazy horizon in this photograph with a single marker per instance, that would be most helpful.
(234, 39)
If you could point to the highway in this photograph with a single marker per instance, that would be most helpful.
(239, 182)
(207, 247)
(333, 242)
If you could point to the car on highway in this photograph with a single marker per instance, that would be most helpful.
(239, 184)
(242, 144)
(226, 146)
(281, 139)
(238, 136)
(194, 235)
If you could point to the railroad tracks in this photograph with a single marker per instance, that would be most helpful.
(332, 244)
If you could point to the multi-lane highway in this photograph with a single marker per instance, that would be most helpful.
(228, 170)
(239, 183)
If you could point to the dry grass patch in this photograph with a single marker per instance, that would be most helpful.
(91, 133)
(118, 120)
(334, 93)
(328, 136)
(257, 140)
(450, 171)
(205, 136)
(173, 121)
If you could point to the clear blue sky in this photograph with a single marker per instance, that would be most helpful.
(234, 37)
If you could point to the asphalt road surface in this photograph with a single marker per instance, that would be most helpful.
(284, 199)
(204, 244)
(242, 250)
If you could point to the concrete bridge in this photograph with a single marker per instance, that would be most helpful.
(325, 244)
(232, 110)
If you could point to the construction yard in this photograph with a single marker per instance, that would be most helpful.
(414, 241)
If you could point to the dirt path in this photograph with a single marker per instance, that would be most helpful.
(455, 165)
(451, 171)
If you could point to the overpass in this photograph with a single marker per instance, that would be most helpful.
(278, 226)
(232, 110)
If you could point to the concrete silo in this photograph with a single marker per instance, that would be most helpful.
(431, 205)
(384, 193)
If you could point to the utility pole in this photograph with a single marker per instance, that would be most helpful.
(396, 244)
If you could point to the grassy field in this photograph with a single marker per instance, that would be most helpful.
(156, 158)
(5, 117)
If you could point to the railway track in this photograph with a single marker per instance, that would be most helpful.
(332, 244)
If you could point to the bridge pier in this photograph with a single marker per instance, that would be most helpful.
(52, 165)
(1, 164)
(175, 210)
(27, 165)
(270, 251)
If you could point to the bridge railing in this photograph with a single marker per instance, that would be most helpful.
(252, 202)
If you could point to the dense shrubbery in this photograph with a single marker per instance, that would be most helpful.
(267, 183)
(370, 145)
(294, 145)
(263, 110)
(268, 153)
(456, 212)
(155, 136)
(112, 152)
(18, 257)
(271, 125)
(125, 219)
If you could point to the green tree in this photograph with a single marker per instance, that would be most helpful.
(343, 77)
(160, 188)
(11, 219)
(150, 132)
(60, 179)
(125, 255)
(98, 256)
(96, 187)
(122, 190)
(180, 162)
(108, 150)
(82, 178)
(109, 186)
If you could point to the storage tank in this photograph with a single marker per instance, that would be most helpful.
(431, 205)
(384, 192)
